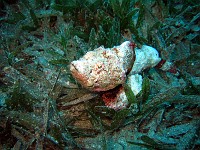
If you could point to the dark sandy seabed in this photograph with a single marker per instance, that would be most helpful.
(38, 95)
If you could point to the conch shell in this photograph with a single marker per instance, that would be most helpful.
(104, 68)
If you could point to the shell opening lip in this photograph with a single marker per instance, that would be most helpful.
(73, 67)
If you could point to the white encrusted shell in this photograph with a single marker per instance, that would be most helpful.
(146, 57)
(103, 69)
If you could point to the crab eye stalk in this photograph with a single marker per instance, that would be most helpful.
(132, 45)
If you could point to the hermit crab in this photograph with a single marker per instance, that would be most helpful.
(105, 70)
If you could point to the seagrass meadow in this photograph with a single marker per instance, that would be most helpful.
(43, 107)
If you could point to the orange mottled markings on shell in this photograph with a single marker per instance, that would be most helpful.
(99, 67)
(104, 54)
(116, 50)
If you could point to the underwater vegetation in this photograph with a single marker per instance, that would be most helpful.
(43, 107)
